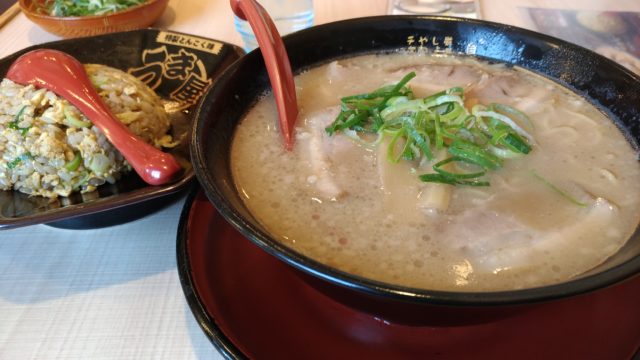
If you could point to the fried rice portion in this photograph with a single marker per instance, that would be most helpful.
(49, 148)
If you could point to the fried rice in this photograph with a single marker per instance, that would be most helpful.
(49, 148)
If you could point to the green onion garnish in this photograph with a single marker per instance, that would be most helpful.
(447, 177)
(16, 120)
(560, 192)
(483, 136)
(71, 120)
(15, 162)
(74, 164)
(474, 154)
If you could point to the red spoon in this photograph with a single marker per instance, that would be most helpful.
(276, 60)
(65, 76)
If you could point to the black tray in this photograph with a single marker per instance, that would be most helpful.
(179, 67)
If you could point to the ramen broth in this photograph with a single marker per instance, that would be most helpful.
(340, 202)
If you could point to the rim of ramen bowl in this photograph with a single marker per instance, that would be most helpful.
(217, 191)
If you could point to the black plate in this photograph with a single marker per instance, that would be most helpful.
(179, 67)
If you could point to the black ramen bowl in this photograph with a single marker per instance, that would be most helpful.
(607, 85)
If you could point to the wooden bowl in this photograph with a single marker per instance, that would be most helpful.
(136, 17)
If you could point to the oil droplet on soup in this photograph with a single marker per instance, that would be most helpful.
(341, 203)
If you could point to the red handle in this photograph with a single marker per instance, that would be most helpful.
(277, 62)
(65, 76)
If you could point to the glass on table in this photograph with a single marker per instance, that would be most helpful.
(288, 15)
(465, 8)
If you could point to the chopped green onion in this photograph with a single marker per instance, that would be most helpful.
(22, 158)
(484, 136)
(515, 143)
(438, 168)
(391, 154)
(443, 179)
(72, 120)
(561, 192)
(474, 154)
(504, 119)
(447, 177)
(74, 163)
(420, 138)
(512, 112)
(16, 120)
(438, 131)
(504, 153)
(444, 99)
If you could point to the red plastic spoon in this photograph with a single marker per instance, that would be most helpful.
(277, 62)
(65, 76)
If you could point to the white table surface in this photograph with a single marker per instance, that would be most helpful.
(114, 293)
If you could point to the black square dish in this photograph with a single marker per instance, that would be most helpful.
(179, 67)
